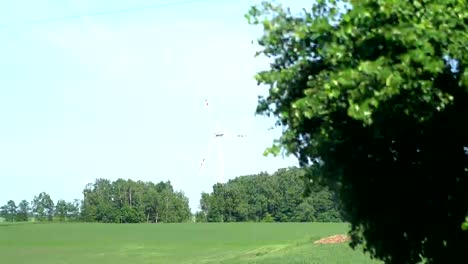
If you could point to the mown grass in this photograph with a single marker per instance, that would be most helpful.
(174, 243)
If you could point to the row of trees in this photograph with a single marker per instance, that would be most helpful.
(41, 208)
(127, 201)
(121, 201)
(269, 198)
(262, 197)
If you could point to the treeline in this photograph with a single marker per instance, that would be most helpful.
(127, 201)
(42, 208)
(121, 201)
(259, 198)
(269, 198)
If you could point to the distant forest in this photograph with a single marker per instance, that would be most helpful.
(269, 198)
(256, 198)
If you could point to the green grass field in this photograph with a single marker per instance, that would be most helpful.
(174, 243)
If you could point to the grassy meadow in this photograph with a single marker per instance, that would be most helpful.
(174, 243)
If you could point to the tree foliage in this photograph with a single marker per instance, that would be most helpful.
(73, 210)
(124, 201)
(24, 211)
(43, 207)
(269, 198)
(376, 93)
(61, 210)
(8, 211)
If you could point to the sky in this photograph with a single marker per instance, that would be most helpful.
(121, 95)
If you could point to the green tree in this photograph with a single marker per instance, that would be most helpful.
(88, 207)
(325, 206)
(376, 93)
(278, 197)
(268, 218)
(127, 201)
(61, 210)
(23, 211)
(305, 212)
(73, 209)
(8, 211)
(43, 207)
(3, 211)
(181, 209)
(200, 217)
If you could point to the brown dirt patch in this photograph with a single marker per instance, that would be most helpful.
(333, 239)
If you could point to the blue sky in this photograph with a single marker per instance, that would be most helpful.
(122, 95)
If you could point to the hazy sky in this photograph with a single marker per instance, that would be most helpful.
(122, 95)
